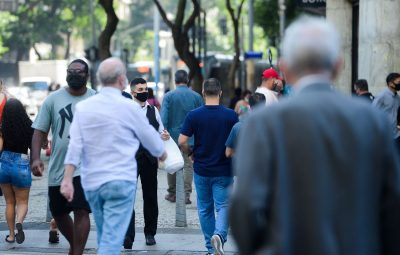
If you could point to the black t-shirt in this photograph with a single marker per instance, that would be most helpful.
(17, 147)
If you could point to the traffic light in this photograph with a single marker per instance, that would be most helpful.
(222, 25)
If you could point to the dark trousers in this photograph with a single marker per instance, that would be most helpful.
(147, 171)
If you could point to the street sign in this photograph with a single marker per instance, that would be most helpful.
(8, 5)
(253, 55)
(311, 3)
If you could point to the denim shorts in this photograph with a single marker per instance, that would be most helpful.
(15, 169)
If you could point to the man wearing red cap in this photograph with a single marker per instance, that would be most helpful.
(270, 85)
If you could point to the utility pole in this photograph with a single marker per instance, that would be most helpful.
(251, 24)
(282, 9)
(92, 48)
(156, 26)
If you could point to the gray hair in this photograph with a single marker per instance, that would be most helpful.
(109, 71)
(311, 45)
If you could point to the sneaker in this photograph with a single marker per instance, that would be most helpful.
(217, 244)
(187, 201)
(171, 198)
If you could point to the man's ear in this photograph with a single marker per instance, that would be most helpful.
(337, 68)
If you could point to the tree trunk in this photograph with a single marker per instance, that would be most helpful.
(236, 59)
(180, 31)
(182, 46)
(68, 46)
(37, 52)
(107, 33)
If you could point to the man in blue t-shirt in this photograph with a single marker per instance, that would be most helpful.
(210, 125)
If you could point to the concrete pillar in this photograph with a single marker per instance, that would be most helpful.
(339, 12)
(379, 41)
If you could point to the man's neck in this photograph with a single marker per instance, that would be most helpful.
(363, 92)
(181, 85)
(78, 92)
(211, 100)
(392, 89)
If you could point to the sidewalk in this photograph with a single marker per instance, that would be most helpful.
(171, 240)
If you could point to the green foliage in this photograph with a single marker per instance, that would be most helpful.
(48, 21)
(266, 15)
(5, 19)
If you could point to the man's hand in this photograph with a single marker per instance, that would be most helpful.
(163, 156)
(165, 135)
(37, 167)
(67, 189)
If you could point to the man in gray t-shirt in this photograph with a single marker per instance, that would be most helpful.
(56, 114)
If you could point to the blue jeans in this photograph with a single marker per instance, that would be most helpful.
(15, 169)
(213, 192)
(112, 206)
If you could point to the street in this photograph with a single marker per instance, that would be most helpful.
(171, 240)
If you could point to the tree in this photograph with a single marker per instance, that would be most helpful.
(266, 15)
(180, 34)
(236, 59)
(109, 29)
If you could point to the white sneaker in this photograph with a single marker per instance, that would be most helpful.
(216, 242)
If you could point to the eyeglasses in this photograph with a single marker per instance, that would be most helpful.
(77, 71)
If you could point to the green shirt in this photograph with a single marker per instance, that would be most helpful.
(57, 112)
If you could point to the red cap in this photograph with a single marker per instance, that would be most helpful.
(270, 73)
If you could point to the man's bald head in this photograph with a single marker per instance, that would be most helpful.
(111, 71)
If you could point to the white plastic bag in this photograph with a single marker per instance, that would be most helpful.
(174, 161)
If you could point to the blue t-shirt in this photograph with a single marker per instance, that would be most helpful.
(210, 125)
(232, 138)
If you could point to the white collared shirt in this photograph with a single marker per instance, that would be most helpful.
(105, 135)
(158, 117)
(270, 96)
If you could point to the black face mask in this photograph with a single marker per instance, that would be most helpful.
(142, 97)
(397, 86)
(76, 81)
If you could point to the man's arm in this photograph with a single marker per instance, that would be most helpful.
(164, 112)
(147, 135)
(184, 145)
(37, 165)
(67, 188)
(229, 152)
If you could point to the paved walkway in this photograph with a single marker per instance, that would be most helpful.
(171, 240)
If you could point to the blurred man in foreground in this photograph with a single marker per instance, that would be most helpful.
(309, 182)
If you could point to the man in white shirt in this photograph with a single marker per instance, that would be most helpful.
(270, 86)
(105, 136)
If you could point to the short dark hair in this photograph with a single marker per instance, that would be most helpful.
(391, 77)
(211, 87)
(238, 91)
(81, 61)
(361, 84)
(137, 81)
(181, 76)
(256, 98)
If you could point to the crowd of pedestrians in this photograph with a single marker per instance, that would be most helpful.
(316, 173)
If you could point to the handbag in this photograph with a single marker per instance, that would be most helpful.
(174, 161)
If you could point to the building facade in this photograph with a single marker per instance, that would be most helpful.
(370, 32)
